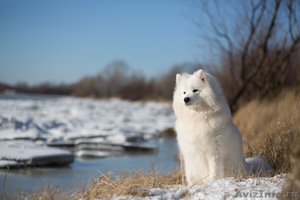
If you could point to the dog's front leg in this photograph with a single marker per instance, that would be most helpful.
(216, 168)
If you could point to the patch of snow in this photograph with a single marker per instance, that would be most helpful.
(228, 188)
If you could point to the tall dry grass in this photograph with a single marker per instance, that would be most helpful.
(131, 183)
(106, 186)
(271, 128)
(292, 185)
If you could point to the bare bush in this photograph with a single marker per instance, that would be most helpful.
(165, 84)
(85, 87)
(255, 42)
(115, 75)
(136, 89)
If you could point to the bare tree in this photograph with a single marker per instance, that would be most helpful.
(115, 75)
(85, 87)
(255, 41)
(165, 84)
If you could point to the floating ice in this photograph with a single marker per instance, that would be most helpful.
(81, 124)
(28, 153)
(70, 118)
(9, 163)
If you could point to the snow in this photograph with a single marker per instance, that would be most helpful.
(113, 145)
(228, 188)
(10, 163)
(91, 128)
(93, 154)
(72, 118)
(27, 152)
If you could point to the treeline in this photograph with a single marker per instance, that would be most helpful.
(115, 80)
(43, 88)
(118, 80)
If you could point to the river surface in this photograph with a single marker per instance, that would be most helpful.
(80, 171)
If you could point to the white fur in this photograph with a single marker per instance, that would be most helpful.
(209, 141)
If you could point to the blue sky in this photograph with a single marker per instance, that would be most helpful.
(63, 40)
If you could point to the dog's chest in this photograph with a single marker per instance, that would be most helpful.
(194, 133)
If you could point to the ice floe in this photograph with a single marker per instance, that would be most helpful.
(28, 153)
(9, 163)
(84, 126)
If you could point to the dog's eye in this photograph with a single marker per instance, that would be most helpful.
(195, 91)
(183, 92)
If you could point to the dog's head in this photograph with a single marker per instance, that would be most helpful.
(197, 91)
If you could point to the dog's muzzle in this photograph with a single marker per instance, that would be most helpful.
(186, 100)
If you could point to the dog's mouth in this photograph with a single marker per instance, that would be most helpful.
(188, 104)
(191, 103)
(187, 101)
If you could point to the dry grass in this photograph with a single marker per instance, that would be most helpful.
(131, 183)
(292, 185)
(4, 183)
(169, 132)
(271, 128)
(107, 185)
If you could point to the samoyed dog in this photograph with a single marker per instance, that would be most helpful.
(210, 143)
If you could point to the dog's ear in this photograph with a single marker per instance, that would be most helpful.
(200, 73)
(178, 77)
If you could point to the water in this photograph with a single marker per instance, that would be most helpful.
(28, 179)
(82, 170)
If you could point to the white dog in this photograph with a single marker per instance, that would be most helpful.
(209, 141)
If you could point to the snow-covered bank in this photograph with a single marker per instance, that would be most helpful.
(87, 126)
(228, 188)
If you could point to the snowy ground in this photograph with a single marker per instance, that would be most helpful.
(229, 188)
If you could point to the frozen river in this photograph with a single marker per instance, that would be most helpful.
(75, 124)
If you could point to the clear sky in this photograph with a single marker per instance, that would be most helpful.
(63, 40)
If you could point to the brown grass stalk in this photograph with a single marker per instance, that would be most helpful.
(4, 182)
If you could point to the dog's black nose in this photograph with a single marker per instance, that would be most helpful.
(186, 99)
